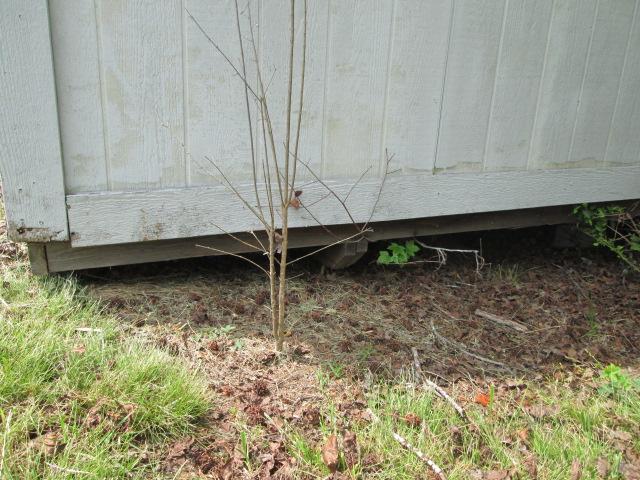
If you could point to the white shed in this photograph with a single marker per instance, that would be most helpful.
(498, 113)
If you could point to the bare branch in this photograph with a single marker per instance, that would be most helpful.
(231, 187)
(442, 254)
(221, 52)
(382, 182)
(343, 240)
(356, 183)
(333, 193)
(226, 252)
(434, 386)
(239, 240)
(462, 349)
(418, 453)
(302, 77)
(249, 121)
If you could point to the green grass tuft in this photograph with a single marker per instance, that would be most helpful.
(68, 372)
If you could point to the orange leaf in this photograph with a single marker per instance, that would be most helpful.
(412, 420)
(482, 399)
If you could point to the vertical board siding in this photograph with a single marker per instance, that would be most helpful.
(74, 37)
(569, 41)
(218, 123)
(357, 62)
(416, 76)
(30, 156)
(470, 76)
(600, 85)
(517, 81)
(624, 139)
(274, 61)
(142, 62)
(443, 85)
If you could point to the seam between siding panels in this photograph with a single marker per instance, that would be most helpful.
(622, 73)
(540, 83)
(444, 83)
(584, 77)
(495, 84)
(383, 133)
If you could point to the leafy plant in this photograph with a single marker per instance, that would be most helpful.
(614, 228)
(617, 381)
(397, 254)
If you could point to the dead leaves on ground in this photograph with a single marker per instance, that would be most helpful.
(344, 452)
(331, 454)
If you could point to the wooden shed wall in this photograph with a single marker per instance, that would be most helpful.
(444, 85)
(110, 107)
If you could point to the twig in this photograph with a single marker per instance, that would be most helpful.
(442, 254)
(502, 321)
(225, 252)
(330, 245)
(7, 428)
(67, 470)
(239, 240)
(462, 349)
(440, 391)
(89, 330)
(382, 182)
(246, 98)
(231, 187)
(221, 52)
(418, 453)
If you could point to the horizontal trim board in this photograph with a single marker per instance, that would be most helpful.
(112, 218)
(60, 256)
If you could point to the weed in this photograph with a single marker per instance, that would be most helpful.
(365, 353)
(397, 254)
(215, 332)
(617, 382)
(336, 369)
(614, 228)
(508, 274)
(591, 316)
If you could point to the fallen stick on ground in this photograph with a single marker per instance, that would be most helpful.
(442, 254)
(67, 470)
(4, 441)
(502, 321)
(403, 441)
(462, 349)
(439, 390)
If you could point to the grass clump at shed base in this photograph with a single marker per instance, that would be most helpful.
(77, 396)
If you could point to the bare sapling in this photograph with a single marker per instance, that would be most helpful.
(273, 190)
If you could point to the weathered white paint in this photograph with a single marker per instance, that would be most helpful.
(623, 147)
(568, 46)
(216, 118)
(358, 51)
(600, 84)
(30, 159)
(468, 89)
(416, 77)
(187, 212)
(142, 63)
(441, 84)
(74, 36)
(519, 70)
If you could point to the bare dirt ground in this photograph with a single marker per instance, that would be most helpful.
(577, 308)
